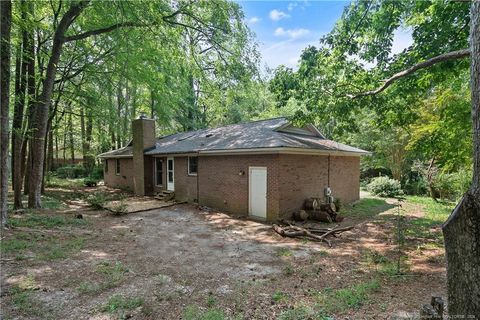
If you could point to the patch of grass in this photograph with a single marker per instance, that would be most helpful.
(13, 245)
(367, 208)
(35, 220)
(97, 200)
(303, 312)
(194, 313)
(56, 248)
(284, 252)
(45, 248)
(288, 270)
(24, 302)
(118, 304)
(384, 265)
(56, 182)
(279, 296)
(428, 226)
(211, 301)
(113, 273)
(120, 209)
(351, 297)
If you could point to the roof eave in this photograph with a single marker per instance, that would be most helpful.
(286, 150)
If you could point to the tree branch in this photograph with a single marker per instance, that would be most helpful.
(459, 54)
(103, 30)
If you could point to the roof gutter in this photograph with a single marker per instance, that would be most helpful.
(286, 150)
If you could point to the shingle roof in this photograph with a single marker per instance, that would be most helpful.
(258, 136)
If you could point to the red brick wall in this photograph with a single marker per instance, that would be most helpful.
(185, 185)
(125, 179)
(305, 176)
(223, 188)
(345, 178)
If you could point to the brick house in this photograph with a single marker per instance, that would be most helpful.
(265, 169)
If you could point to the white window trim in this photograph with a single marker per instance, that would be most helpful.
(117, 167)
(188, 166)
(155, 167)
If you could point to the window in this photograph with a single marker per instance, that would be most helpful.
(158, 172)
(192, 166)
(117, 167)
(105, 166)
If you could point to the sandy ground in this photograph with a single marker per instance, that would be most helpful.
(184, 256)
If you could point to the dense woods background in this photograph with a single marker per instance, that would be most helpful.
(80, 71)
(195, 64)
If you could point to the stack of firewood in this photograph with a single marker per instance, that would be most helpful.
(315, 210)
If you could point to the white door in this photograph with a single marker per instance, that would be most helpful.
(258, 192)
(170, 174)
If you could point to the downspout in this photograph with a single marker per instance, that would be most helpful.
(328, 172)
(198, 177)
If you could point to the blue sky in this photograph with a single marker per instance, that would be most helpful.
(285, 28)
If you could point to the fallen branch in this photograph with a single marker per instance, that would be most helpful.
(314, 234)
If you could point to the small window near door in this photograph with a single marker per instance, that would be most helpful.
(192, 166)
(117, 167)
(158, 172)
(105, 166)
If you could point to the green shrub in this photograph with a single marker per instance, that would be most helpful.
(97, 173)
(385, 187)
(338, 204)
(90, 182)
(71, 172)
(452, 186)
(416, 186)
(97, 200)
(120, 209)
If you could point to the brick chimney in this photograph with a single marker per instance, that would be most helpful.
(143, 131)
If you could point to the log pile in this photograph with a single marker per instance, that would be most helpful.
(315, 210)
(309, 233)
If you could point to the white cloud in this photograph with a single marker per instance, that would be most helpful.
(291, 33)
(292, 6)
(276, 15)
(254, 20)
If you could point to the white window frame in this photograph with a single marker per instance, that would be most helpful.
(188, 166)
(155, 167)
(117, 167)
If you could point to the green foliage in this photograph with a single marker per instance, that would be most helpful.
(46, 248)
(112, 275)
(279, 296)
(284, 252)
(367, 207)
(96, 173)
(194, 313)
(351, 297)
(120, 209)
(90, 182)
(35, 220)
(119, 304)
(385, 187)
(97, 200)
(338, 204)
(71, 172)
(452, 186)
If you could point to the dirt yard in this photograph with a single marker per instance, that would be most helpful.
(183, 262)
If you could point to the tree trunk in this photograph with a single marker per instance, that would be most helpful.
(23, 63)
(5, 28)
(71, 140)
(40, 118)
(462, 229)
